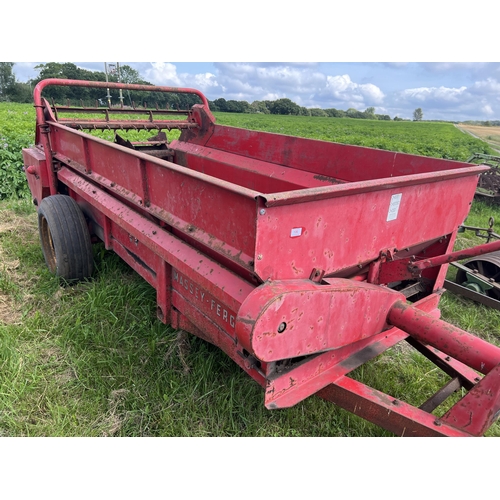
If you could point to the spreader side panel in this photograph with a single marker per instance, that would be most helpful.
(338, 233)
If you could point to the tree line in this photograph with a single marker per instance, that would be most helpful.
(487, 123)
(286, 106)
(12, 90)
(15, 91)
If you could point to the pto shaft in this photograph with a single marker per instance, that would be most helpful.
(457, 343)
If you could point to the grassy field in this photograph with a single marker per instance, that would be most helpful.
(92, 360)
(490, 135)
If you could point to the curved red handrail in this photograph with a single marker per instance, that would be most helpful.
(37, 93)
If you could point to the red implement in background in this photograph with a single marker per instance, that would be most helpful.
(301, 259)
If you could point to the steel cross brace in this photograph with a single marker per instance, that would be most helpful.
(326, 375)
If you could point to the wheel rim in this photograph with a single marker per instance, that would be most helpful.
(48, 246)
(487, 268)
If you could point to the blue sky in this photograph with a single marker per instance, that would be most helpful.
(391, 55)
(444, 91)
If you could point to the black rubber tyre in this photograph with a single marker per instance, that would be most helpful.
(65, 238)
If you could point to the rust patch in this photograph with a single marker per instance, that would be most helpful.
(325, 178)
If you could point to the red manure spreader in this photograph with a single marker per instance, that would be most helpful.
(301, 259)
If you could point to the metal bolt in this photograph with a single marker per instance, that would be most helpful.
(259, 257)
(282, 327)
(262, 211)
(437, 423)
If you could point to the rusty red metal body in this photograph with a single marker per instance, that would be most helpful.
(301, 259)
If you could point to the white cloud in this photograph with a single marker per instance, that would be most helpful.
(269, 97)
(372, 93)
(488, 86)
(304, 85)
(434, 94)
(487, 109)
(255, 81)
(338, 84)
(205, 80)
(476, 102)
(162, 73)
(342, 88)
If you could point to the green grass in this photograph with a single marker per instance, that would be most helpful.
(93, 360)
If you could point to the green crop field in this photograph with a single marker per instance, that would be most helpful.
(93, 360)
(439, 140)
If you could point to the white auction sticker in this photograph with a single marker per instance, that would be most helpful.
(296, 231)
(392, 214)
